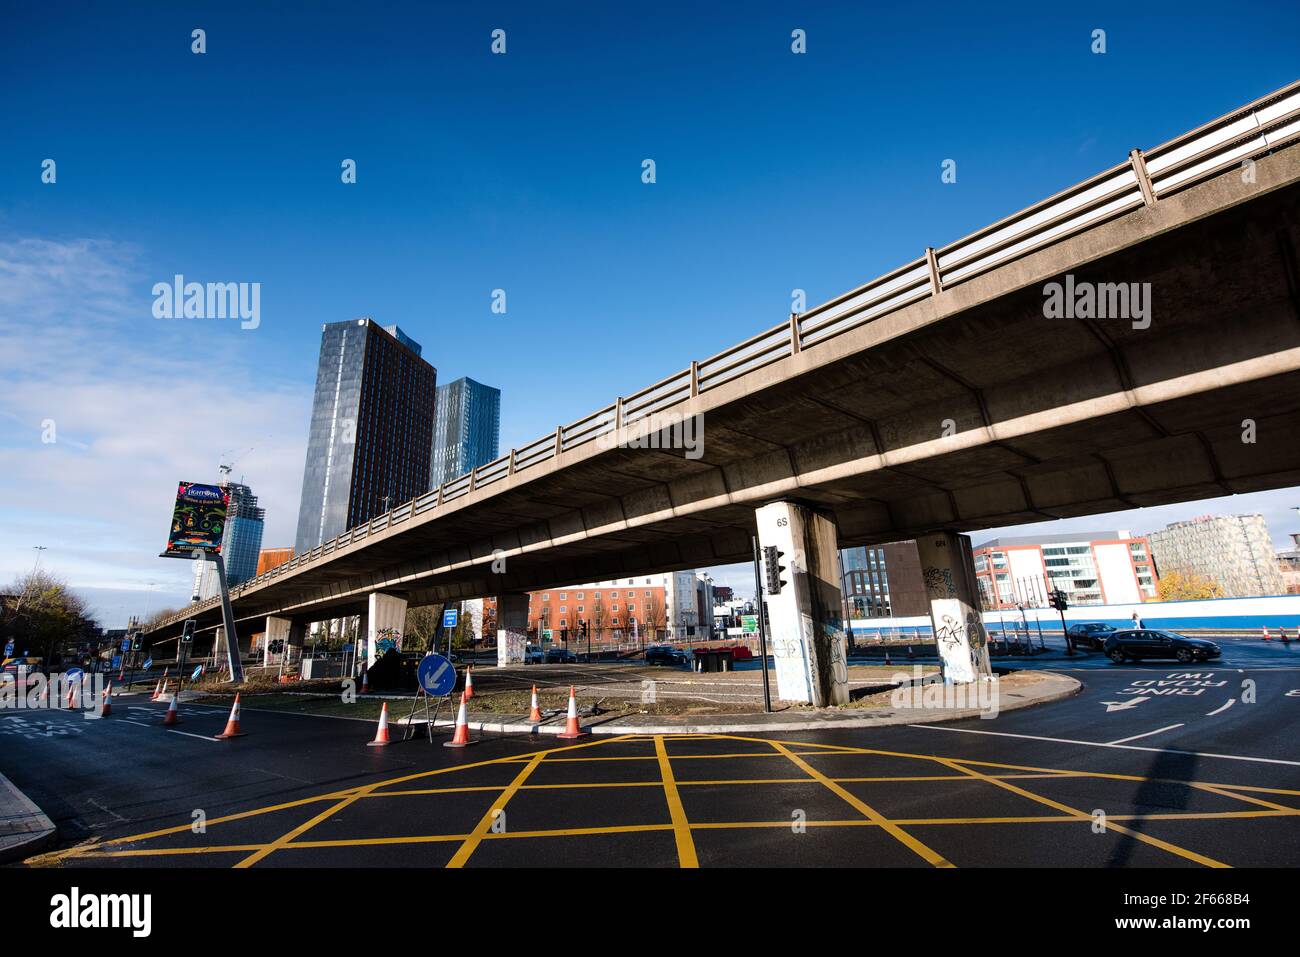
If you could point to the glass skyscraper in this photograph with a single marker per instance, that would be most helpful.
(467, 430)
(241, 540)
(371, 429)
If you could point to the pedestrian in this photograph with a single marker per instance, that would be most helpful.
(1138, 622)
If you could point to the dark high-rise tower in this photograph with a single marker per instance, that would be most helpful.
(371, 429)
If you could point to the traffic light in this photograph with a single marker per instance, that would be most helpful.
(1059, 601)
(187, 635)
(772, 564)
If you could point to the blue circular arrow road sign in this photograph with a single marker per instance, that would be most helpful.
(73, 674)
(197, 671)
(437, 675)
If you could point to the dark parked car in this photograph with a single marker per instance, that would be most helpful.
(1151, 643)
(665, 655)
(533, 655)
(1090, 633)
(560, 656)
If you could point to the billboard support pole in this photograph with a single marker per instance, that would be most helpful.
(228, 620)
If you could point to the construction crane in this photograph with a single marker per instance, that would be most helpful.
(225, 464)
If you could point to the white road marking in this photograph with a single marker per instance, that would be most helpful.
(1123, 705)
(1098, 744)
(1223, 707)
(1146, 734)
(201, 737)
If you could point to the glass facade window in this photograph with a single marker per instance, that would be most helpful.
(371, 430)
(467, 429)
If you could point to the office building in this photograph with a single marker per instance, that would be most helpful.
(1288, 564)
(882, 581)
(466, 431)
(1092, 568)
(371, 429)
(241, 541)
(673, 606)
(1234, 551)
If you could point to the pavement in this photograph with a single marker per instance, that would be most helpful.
(1154, 765)
(1041, 688)
(24, 828)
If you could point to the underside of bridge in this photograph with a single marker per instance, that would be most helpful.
(968, 410)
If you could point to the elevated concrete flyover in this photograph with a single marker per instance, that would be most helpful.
(941, 397)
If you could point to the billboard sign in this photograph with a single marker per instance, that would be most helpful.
(749, 624)
(198, 520)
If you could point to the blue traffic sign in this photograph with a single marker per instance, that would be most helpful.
(449, 617)
(148, 663)
(126, 644)
(437, 675)
(9, 649)
(74, 674)
(197, 672)
(117, 661)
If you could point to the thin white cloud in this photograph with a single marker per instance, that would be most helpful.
(135, 404)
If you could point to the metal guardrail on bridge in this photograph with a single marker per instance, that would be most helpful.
(1143, 179)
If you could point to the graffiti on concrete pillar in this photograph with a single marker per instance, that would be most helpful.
(939, 583)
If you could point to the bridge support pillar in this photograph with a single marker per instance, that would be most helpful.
(512, 628)
(385, 621)
(277, 629)
(805, 621)
(949, 573)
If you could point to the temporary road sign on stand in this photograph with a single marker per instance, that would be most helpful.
(437, 678)
(198, 672)
(74, 674)
(9, 649)
(449, 617)
(148, 663)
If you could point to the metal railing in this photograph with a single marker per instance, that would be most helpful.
(1224, 144)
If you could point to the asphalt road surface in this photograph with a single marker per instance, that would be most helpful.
(1152, 764)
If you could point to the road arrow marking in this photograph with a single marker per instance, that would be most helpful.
(1122, 705)
(1223, 707)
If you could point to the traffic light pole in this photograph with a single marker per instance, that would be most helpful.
(762, 627)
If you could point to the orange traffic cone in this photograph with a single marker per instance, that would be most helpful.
(461, 738)
(72, 699)
(232, 724)
(469, 682)
(162, 694)
(108, 701)
(381, 734)
(171, 717)
(536, 713)
(1266, 638)
(157, 690)
(571, 728)
(365, 681)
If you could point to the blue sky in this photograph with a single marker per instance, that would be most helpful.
(521, 172)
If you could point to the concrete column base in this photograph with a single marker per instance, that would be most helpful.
(385, 622)
(277, 629)
(805, 620)
(512, 628)
(948, 569)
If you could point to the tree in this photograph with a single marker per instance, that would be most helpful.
(41, 615)
(156, 618)
(1179, 586)
(421, 625)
